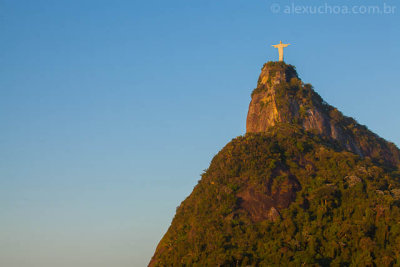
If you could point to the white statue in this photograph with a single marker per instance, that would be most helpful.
(280, 47)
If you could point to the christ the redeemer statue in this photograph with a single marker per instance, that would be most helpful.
(280, 47)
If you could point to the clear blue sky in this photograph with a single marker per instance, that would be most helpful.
(110, 110)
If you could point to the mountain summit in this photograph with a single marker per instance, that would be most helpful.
(305, 186)
(281, 97)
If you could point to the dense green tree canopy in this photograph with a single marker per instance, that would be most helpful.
(287, 198)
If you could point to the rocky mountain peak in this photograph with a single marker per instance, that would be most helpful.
(274, 73)
(281, 97)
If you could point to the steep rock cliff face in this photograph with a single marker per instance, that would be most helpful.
(281, 97)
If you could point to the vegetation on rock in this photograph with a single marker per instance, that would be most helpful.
(281, 97)
(344, 210)
(291, 196)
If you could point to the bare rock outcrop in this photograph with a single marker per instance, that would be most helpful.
(281, 97)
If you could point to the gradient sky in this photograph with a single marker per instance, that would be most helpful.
(111, 110)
